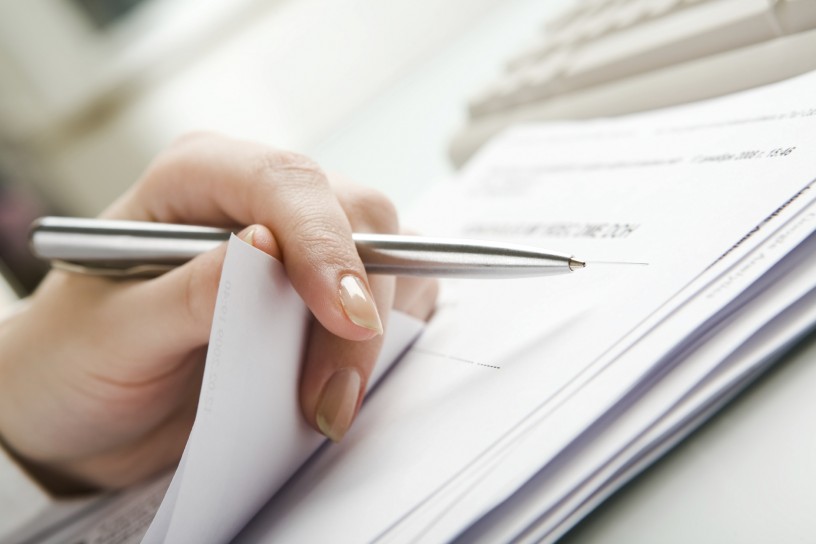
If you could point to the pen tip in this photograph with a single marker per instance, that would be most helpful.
(575, 264)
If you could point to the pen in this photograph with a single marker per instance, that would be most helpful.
(136, 248)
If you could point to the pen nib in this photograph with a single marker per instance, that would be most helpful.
(575, 264)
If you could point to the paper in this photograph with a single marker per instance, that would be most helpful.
(769, 319)
(536, 362)
(249, 436)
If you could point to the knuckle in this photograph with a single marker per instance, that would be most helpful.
(322, 245)
(373, 210)
(286, 169)
(291, 159)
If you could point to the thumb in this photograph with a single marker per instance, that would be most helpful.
(178, 306)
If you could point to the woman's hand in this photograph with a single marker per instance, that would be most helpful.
(99, 378)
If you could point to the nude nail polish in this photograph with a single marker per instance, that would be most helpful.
(338, 403)
(249, 236)
(359, 304)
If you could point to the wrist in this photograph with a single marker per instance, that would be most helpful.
(13, 422)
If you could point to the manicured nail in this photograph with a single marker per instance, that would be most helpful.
(248, 236)
(358, 304)
(338, 403)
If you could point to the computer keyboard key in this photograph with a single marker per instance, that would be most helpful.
(692, 33)
(593, 58)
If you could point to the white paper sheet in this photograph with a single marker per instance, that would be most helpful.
(249, 436)
(676, 190)
(768, 319)
(702, 335)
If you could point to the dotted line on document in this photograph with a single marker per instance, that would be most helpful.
(454, 358)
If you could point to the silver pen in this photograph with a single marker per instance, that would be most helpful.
(136, 248)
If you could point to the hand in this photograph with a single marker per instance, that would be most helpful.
(99, 378)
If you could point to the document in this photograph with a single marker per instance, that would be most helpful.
(511, 376)
(525, 402)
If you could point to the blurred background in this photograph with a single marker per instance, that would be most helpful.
(91, 90)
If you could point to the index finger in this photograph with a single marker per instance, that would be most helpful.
(213, 180)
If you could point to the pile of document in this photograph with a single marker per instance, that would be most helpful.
(524, 403)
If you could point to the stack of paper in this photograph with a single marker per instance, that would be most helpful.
(526, 402)
(563, 385)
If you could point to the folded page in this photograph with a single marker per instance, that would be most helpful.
(249, 436)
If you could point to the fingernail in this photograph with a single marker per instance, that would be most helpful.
(358, 304)
(338, 403)
(248, 236)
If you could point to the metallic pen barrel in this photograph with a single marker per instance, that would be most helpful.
(451, 257)
(131, 248)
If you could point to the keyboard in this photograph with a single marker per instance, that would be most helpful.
(611, 57)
